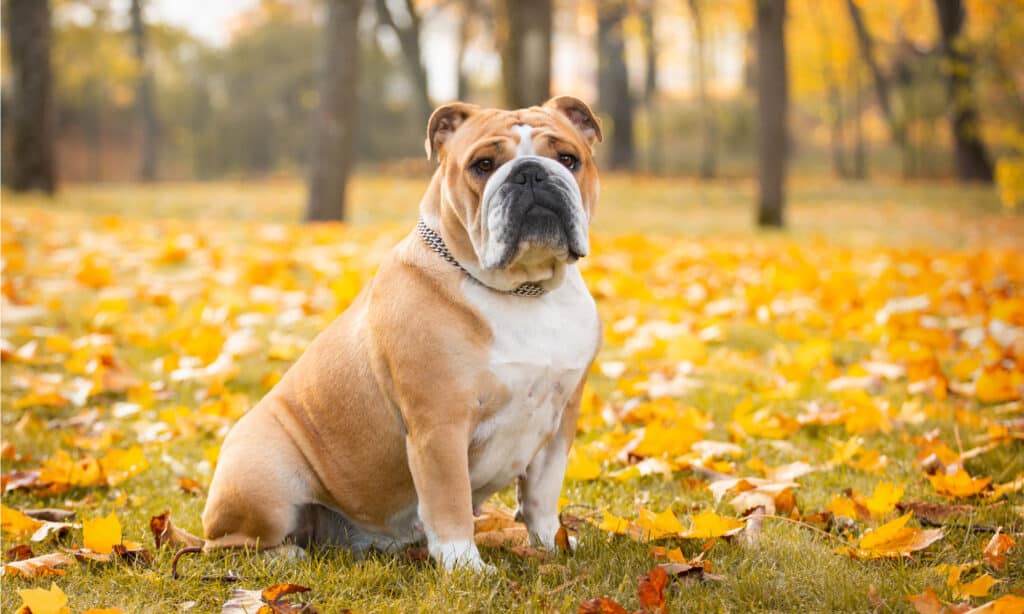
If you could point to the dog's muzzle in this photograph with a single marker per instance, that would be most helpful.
(535, 203)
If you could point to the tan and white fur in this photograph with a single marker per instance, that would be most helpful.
(437, 388)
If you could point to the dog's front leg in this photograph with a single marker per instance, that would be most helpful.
(540, 487)
(439, 462)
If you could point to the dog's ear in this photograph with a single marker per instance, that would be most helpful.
(443, 123)
(579, 114)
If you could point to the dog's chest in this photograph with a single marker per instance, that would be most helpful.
(540, 352)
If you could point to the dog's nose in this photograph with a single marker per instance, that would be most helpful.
(529, 173)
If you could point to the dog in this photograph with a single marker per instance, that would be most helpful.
(457, 370)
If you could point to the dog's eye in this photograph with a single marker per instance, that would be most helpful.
(483, 166)
(569, 161)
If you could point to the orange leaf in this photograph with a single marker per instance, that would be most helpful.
(277, 591)
(995, 550)
(651, 591)
(601, 605)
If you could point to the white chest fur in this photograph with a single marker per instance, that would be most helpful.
(541, 349)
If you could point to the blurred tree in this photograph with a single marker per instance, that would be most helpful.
(468, 11)
(708, 120)
(651, 48)
(867, 47)
(335, 120)
(972, 161)
(773, 105)
(524, 38)
(144, 96)
(614, 96)
(32, 157)
(408, 34)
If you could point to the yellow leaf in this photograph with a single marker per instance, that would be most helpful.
(102, 534)
(960, 484)
(884, 499)
(709, 524)
(581, 467)
(42, 601)
(657, 526)
(1008, 604)
(119, 465)
(660, 440)
(613, 524)
(893, 540)
(16, 523)
(979, 587)
(997, 386)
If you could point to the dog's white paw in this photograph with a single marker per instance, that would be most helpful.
(460, 555)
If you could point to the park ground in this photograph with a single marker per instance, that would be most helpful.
(850, 362)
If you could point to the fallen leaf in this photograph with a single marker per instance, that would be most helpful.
(19, 553)
(996, 549)
(893, 540)
(926, 602)
(39, 566)
(709, 524)
(979, 587)
(884, 499)
(277, 591)
(164, 532)
(190, 486)
(959, 484)
(651, 591)
(101, 534)
(14, 522)
(43, 601)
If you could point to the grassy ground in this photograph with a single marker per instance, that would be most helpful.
(850, 248)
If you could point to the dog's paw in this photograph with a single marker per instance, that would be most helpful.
(460, 555)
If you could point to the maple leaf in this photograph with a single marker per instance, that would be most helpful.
(959, 484)
(996, 549)
(926, 602)
(651, 591)
(884, 499)
(581, 467)
(709, 524)
(893, 540)
(979, 587)
(43, 601)
(658, 525)
(14, 522)
(101, 534)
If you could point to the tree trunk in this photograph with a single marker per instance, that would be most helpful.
(772, 102)
(613, 81)
(709, 127)
(334, 124)
(409, 40)
(144, 97)
(860, 167)
(867, 50)
(461, 78)
(972, 161)
(524, 37)
(33, 163)
(654, 154)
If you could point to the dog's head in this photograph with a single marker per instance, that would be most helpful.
(516, 188)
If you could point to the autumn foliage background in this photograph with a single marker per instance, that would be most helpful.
(827, 417)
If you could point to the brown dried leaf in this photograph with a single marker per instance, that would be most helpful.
(926, 602)
(50, 514)
(493, 518)
(40, 566)
(562, 540)
(935, 512)
(19, 553)
(529, 552)
(190, 486)
(164, 532)
(503, 538)
(996, 548)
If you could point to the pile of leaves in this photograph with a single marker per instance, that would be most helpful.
(870, 397)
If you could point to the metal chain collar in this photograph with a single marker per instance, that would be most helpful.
(436, 245)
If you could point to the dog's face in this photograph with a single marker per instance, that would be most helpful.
(522, 185)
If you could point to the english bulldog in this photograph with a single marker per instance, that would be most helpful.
(457, 370)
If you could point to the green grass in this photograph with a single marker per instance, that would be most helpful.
(791, 569)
